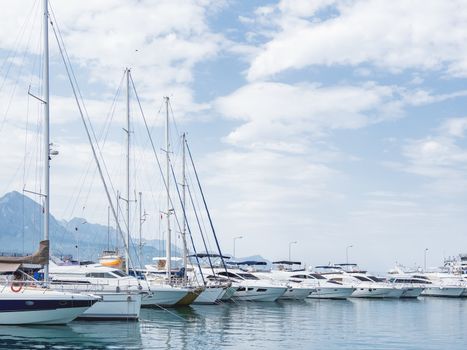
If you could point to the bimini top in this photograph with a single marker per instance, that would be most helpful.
(287, 262)
(208, 255)
(247, 262)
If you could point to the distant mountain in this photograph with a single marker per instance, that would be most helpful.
(21, 231)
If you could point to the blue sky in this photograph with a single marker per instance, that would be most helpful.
(328, 122)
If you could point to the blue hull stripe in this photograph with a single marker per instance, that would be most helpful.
(37, 305)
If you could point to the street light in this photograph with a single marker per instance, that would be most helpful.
(290, 248)
(424, 260)
(347, 253)
(234, 239)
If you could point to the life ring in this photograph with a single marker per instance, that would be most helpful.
(16, 286)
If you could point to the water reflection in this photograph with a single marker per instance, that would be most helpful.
(347, 324)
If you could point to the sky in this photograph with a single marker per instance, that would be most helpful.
(332, 123)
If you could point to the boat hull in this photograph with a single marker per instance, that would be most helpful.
(210, 295)
(39, 306)
(190, 297)
(294, 293)
(258, 293)
(228, 293)
(443, 292)
(114, 306)
(377, 292)
(165, 297)
(331, 293)
(412, 292)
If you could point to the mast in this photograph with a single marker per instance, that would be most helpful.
(185, 250)
(167, 158)
(127, 188)
(140, 226)
(46, 136)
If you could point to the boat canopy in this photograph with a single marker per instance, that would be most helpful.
(247, 262)
(208, 255)
(287, 262)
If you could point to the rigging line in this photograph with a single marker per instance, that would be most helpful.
(66, 58)
(200, 230)
(13, 93)
(198, 206)
(205, 204)
(17, 42)
(153, 148)
(103, 134)
(187, 223)
(154, 152)
(89, 138)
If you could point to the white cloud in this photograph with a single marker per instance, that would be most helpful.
(275, 113)
(392, 34)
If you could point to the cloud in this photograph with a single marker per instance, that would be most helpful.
(395, 35)
(287, 115)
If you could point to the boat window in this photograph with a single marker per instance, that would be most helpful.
(100, 275)
(364, 279)
(248, 276)
(375, 279)
(300, 276)
(241, 289)
(229, 274)
(118, 273)
(317, 276)
(261, 290)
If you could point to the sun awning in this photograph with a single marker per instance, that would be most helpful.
(9, 267)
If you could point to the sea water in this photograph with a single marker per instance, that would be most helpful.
(425, 323)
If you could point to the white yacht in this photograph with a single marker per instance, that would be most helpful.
(281, 274)
(250, 287)
(29, 304)
(441, 284)
(413, 288)
(436, 284)
(366, 286)
(120, 294)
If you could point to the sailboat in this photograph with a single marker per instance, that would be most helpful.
(24, 300)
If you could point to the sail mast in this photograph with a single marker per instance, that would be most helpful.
(185, 250)
(127, 187)
(46, 136)
(168, 238)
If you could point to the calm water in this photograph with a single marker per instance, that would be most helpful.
(354, 324)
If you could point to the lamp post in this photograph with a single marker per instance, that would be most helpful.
(424, 259)
(234, 239)
(347, 253)
(290, 249)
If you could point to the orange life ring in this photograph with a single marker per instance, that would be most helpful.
(16, 286)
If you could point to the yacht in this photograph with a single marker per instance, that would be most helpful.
(436, 284)
(120, 295)
(366, 286)
(24, 300)
(250, 287)
(413, 287)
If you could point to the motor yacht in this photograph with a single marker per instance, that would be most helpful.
(252, 288)
(366, 286)
(120, 294)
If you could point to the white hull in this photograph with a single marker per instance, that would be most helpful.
(296, 293)
(377, 292)
(464, 293)
(258, 293)
(228, 294)
(41, 306)
(331, 293)
(58, 316)
(443, 292)
(163, 297)
(412, 292)
(210, 295)
(115, 306)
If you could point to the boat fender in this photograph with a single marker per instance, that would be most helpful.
(16, 287)
(140, 287)
(117, 289)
